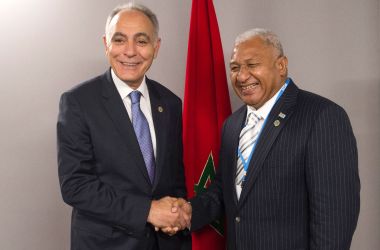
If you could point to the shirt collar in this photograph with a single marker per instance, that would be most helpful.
(264, 110)
(124, 89)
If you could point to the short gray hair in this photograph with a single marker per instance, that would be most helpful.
(134, 6)
(266, 35)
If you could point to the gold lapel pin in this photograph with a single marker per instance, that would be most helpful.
(276, 123)
(282, 115)
(160, 109)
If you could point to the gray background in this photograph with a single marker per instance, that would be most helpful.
(47, 46)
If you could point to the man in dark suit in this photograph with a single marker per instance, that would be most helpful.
(120, 145)
(288, 173)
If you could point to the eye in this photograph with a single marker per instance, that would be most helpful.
(118, 40)
(234, 68)
(141, 42)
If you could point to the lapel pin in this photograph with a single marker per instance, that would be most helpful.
(282, 115)
(276, 123)
(160, 109)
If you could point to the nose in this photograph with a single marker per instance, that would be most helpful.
(243, 74)
(130, 49)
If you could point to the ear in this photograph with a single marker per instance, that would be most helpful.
(105, 43)
(282, 65)
(157, 46)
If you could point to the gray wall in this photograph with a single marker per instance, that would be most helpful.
(47, 46)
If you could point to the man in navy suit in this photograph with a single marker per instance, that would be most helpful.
(104, 173)
(288, 173)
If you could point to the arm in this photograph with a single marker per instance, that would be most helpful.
(207, 206)
(180, 183)
(81, 185)
(332, 180)
(178, 189)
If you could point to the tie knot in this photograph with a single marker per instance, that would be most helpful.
(253, 118)
(135, 96)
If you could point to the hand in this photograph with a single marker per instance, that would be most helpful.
(163, 215)
(185, 210)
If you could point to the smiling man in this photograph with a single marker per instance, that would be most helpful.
(288, 174)
(131, 43)
(120, 145)
(257, 71)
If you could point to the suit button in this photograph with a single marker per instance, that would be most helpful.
(237, 219)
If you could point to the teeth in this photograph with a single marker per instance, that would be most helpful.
(129, 64)
(248, 87)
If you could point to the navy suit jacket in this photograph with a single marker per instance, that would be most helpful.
(302, 187)
(102, 171)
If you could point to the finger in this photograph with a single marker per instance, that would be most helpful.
(171, 199)
(170, 230)
(181, 221)
(181, 201)
(186, 213)
(174, 230)
(175, 206)
(186, 218)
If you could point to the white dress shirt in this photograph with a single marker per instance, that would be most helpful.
(262, 112)
(124, 90)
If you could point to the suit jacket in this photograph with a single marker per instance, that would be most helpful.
(102, 171)
(302, 187)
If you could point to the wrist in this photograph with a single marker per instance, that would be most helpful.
(151, 209)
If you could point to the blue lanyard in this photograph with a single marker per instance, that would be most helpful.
(246, 163)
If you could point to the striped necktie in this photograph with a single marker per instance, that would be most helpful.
(248, 137)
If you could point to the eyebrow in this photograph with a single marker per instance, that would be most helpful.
(135, 36)
(119, 34)
(142, 34)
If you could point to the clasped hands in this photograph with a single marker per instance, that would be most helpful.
(170, 215)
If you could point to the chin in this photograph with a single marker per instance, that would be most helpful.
(249, 101)
(128, 78)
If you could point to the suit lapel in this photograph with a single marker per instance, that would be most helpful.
(234, 132)
(276, 120)
(160, 114)
(116, 110)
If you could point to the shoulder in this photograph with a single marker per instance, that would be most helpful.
(162, 91)
(235, 119)
(314, 102)
(236, 115)
(87, 88)
(318, 109)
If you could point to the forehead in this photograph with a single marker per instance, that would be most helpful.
(128, 21)
(253, 48)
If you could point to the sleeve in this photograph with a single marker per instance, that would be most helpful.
(333, 181)
(180, 187)
(80, 184)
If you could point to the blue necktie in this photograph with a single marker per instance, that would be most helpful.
(141, 127)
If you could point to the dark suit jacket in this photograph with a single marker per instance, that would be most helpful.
(302, 188)
(102, 171)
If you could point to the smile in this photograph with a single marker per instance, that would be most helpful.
(251, 86)
(128, 64)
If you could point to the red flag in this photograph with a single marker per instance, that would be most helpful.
(206, 106)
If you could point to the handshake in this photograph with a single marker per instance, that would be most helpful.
(170, 215)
